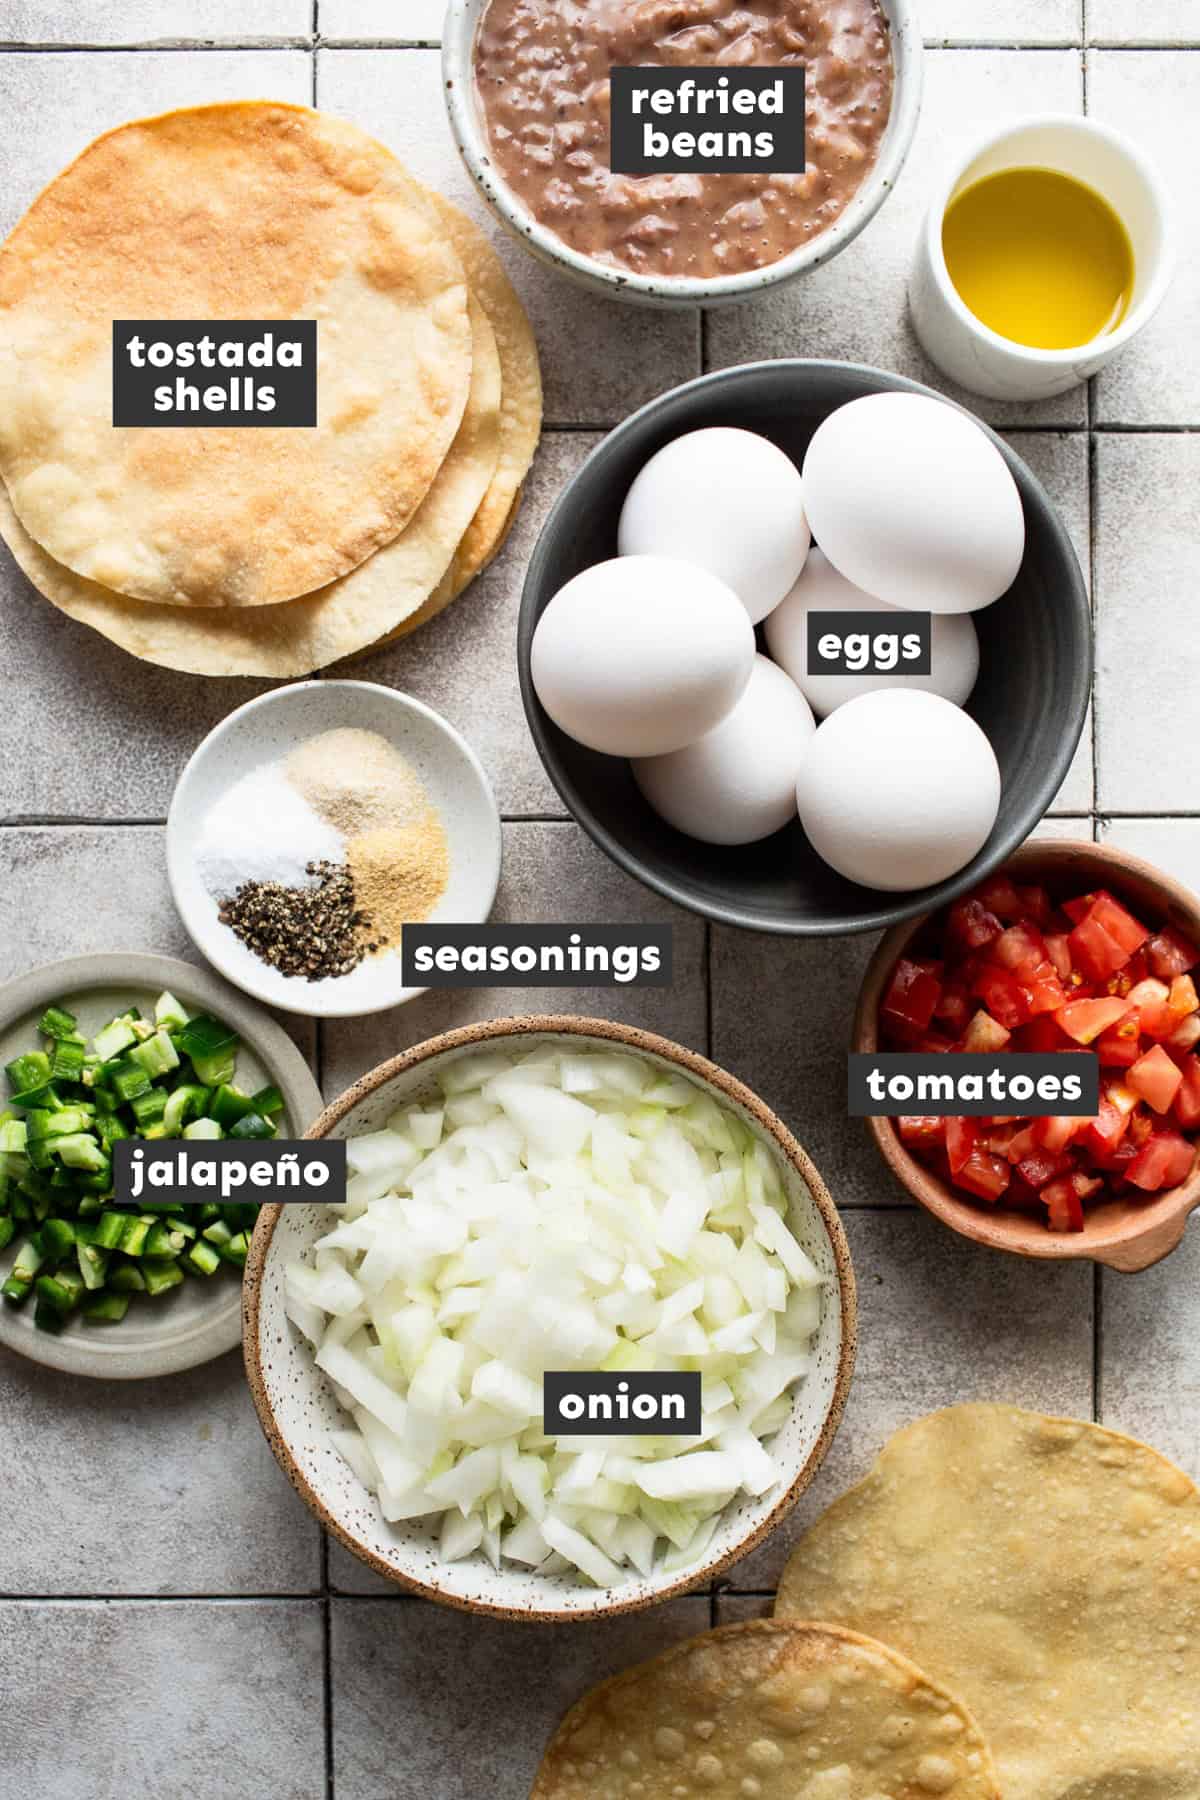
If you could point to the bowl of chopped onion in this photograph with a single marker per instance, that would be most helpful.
(537, 1195)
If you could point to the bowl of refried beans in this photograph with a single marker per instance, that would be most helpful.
(528, 93)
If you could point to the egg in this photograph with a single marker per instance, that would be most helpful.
(910, 499)
(737, 783)
(819, 588)
(728, 501)
(641, 655)
(898, 790)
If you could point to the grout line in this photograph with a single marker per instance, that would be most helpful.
(316, 5)
(1097, 1342)
(157, 1599)
(168, 46)
(327, 1663)
(708, 990)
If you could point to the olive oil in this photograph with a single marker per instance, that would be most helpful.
(1039, 257)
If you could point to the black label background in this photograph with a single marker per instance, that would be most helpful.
(626, 153)
(133, 389)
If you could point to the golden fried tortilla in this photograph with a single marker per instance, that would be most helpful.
(248, 210)
(1047, 1570)
(769, 1711)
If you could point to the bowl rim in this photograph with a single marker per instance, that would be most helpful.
(1068, 125)
(700, 1067)
(1050, 774)
(216, 1328)
(308, 1004)
(458, 43)
(1159, 1221)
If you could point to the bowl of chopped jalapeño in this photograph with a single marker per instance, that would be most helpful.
(97, 1049)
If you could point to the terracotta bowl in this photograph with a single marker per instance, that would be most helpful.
(1125, 1234)
(297, 1408)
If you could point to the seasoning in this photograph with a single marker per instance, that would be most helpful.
(356, 781)
(313, 932)
(263, 829)
(321, 858)
(399, 874)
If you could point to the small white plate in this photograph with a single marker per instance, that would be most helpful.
(201, 1319)
(268, 729)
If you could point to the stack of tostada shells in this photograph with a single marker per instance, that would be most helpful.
(271, 551)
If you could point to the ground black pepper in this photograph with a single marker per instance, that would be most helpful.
(314, 931)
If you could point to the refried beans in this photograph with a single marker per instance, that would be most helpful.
(542, 77)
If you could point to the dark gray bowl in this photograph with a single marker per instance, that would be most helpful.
(1031, 697)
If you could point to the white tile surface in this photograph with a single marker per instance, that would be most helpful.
(390, 21)
(1150, 1362)
(855, 307)
(1143, 22)
(151, 21)
(1154, 98)
(1001, 21)
(1147, 645)
(599, 361)
(163, 1700)
(472, 1702)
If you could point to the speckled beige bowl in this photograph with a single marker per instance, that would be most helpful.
(297, 1408)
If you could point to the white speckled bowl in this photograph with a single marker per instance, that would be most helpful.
(269, 728)
(297, 1408)
(201, 1319)
(458, 46)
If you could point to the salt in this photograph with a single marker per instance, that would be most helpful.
(263, 829)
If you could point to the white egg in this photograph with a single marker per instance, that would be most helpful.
(898, 790)
(641, 655)
(727, 500)
(910, 499)
(737, 783)
(819, 588)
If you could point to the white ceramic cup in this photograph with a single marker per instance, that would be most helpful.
(966, 349)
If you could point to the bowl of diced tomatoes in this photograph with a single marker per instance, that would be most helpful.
(1069, 948)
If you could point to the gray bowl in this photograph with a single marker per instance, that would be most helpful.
(1031, 697)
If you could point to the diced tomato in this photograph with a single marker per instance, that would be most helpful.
(1123, 1098)
(1024, 1143)
(912, 994)
(1043, 1166)
(1106, 1130)
(1064, 1206)
(1120, 1159)
(1058, 950)
(921, 1130)
(1043, 992)
(1019, 948)
(1169, 953)
(1056, 1131)
(1120, 1046)
(1151, 999)
(954, 1007)
(1119, 922)
(1036, 904)
(984, 1175)
(1084, 1020)
(1041, 1035)
(1165, 1160)
(1181, 1000)
(1156, 1079)
(985, 1034)
(1001, 994)
(972, 925)
(1186, 1034)
(1022, 972)
(961, 1135)
(1187, 1100)
(1021, 1197)
(999, 895)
